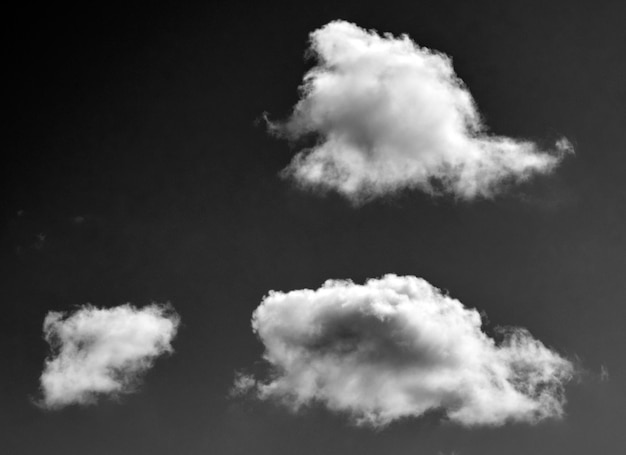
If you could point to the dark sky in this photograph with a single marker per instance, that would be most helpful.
(136, 170)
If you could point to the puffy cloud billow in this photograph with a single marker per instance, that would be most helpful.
(390, 115)
(97, 351)
(397, 347)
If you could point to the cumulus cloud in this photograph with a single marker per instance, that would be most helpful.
(398, 347)
(98, 351)
(389, 115)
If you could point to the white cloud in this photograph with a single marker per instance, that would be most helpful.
(102, 351)
(398, 347)
(390, 115)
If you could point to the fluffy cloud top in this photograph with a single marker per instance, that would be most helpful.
(390, 115)
(102, 351)
(398, 347)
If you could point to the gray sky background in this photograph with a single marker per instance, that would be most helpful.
(137, 170)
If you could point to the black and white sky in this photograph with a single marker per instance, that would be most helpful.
(314, 228)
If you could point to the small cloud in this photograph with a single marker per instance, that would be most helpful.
(564, 146)
(390, 115)
(398, 347)
(242, 385)
(39, 243)
(604, 374)
(102, 351)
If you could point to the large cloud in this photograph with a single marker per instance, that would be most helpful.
(389, 115)
(398, 347)
(102, 351)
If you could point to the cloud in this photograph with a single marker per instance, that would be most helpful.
(243, 384)
(97, 351)
(604, 374)
(390, 115)
(397, 347)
